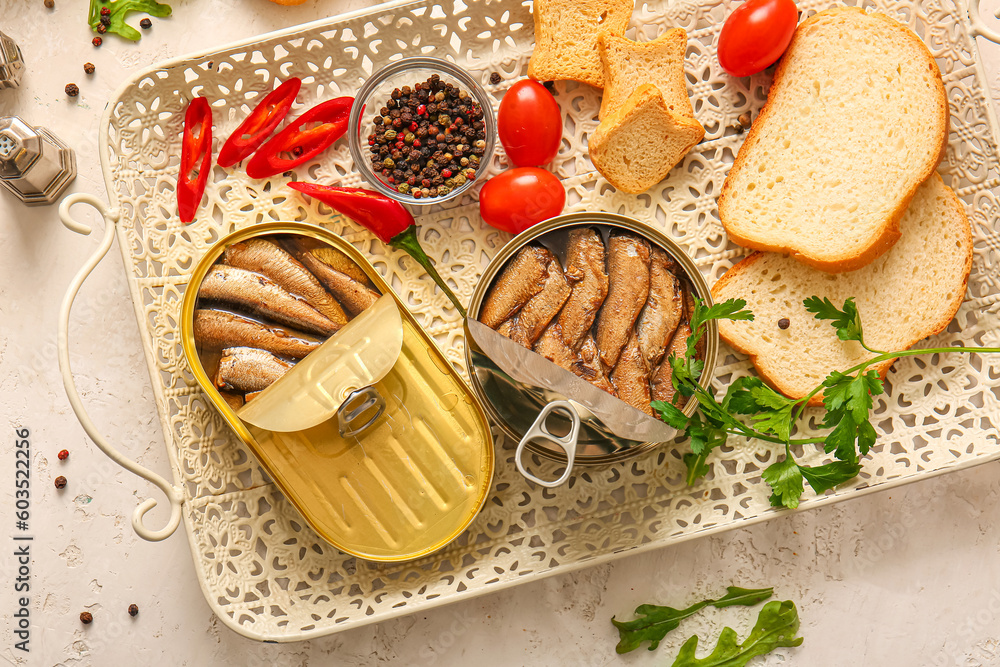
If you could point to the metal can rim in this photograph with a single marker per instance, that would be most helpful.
(584, 218)
(188, 304)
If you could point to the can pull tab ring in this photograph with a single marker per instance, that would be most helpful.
(539, 431)
(355, 407)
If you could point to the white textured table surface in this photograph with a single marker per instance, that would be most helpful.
(909, 577)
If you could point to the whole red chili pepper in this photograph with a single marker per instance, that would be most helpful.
(384, 217)
(196, 158)
(303, 144)
(261, 122)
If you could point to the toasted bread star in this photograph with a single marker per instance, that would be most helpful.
(566, 33)
(637, 145)
(628, 65)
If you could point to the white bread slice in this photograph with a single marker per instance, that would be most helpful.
(566, 33)
(904, 296)
(628, 65)
(637, 146)
(856, 119)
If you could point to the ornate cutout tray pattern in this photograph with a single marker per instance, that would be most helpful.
(270, 577)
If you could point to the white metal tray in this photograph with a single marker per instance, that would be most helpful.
(262, 570)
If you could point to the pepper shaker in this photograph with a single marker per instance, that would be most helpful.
(34, 165)
(11, 63)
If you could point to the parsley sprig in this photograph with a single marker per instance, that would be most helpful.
(752, 409)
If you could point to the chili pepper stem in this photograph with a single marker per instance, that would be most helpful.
(407, 241)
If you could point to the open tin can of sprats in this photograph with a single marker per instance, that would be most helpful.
(369, 431)
(544, 407)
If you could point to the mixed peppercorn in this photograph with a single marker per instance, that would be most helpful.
(429, 139)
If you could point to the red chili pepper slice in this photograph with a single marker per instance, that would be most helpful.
(389, 220)
(261, 122)
(303, 144)
(196, 158)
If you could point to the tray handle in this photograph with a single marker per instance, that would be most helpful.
(979, 27)
(173, 493)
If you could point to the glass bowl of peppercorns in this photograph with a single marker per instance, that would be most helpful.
(421, 130)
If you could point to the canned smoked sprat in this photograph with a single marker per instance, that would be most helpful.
(514, 405)
(345, 401)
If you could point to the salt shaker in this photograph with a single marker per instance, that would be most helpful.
(11, 63)
(34, 165)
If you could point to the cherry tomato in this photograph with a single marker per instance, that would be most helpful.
(529, 124)
(518, 198)
(756, 34)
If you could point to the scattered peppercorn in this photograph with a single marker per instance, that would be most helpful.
(97, 41)
(101, 28)
(72, 89)
(105, 11)
(60, 482)
(145, 24)
(738, 128)
(495, 78)
(744, 119)
(133, 610)
(63, 454)
(783, 323)
(88, 68)
(49, 4)
(424, 132)
(86, 617)
(106, 21)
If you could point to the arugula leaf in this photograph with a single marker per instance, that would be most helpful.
(120, 9)
(657, 621)
(785, 480)
(827, 476)
(746, 597)
(777, 624)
